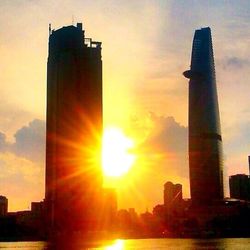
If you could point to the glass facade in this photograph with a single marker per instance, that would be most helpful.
(205, 142)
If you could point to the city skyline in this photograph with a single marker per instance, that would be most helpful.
(145, 96)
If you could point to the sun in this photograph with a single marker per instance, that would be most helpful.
(116, 158)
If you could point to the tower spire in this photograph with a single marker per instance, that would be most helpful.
(50, 29)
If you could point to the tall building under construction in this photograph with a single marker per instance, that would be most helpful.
(74, 128)
(205, 142)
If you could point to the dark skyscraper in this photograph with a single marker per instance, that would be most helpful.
(74, 128)
(205, 143)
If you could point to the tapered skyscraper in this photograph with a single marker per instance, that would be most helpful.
(74, 128)
(205, 143)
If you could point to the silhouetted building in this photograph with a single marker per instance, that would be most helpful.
(74, 128)
(173, 202)
(240, 186)
(172, 194)
(205, 143)
(37, 207)
(3, 205)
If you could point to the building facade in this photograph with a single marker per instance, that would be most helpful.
(74, 128)
(239, 185)
(205, 142)
(3, 206)
(172, 193)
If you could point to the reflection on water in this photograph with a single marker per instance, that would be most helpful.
(118, 245)
(182, 244)
(143, 244)
(23, 245)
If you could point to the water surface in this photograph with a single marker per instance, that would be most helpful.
(142, 244)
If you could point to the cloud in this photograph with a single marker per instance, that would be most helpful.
(235, 63)
(12, 117)
(30, 141)
(3, 143)
(157, 33)
(167, 135)
(161, 156)
(165, 147)
(22, 165)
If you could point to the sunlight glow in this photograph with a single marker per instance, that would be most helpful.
(116, 158)
(118, 245)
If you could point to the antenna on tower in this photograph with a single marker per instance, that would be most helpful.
(50, 29)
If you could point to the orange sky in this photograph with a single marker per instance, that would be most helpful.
(146, 47)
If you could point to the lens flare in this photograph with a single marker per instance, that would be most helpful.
(116, 156)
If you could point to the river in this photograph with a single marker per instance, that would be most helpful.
(145, 244)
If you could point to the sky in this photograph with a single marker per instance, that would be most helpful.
(146, 45)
